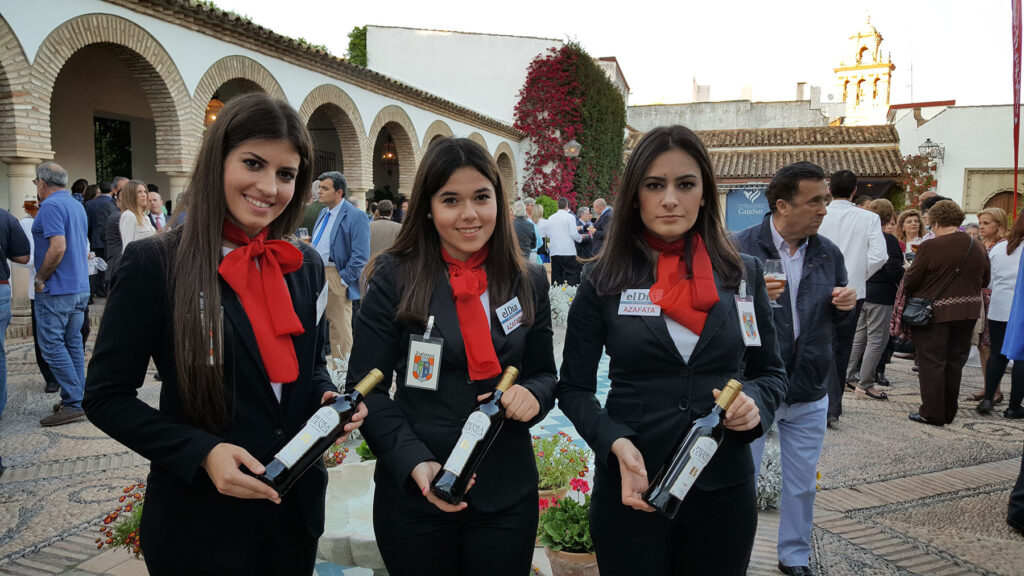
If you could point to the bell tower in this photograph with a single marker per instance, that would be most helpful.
(863, 78)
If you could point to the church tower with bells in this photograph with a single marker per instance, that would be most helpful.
(863, 78)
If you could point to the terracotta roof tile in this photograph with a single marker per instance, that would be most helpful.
(865, 162)
(808, 136)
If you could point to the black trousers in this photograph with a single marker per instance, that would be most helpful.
(467, 543)
(278, 553)
(942, 350)
(565, 270)
(996, 367)
(842, 345)
(1015, 513)
(713, 533)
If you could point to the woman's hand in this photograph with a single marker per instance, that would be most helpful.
(520, 404)
(634, 474)
(357, 418)
(222, 466)
(743, 414)
(423, 474)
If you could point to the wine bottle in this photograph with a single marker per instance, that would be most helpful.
(319, 433)
(478, 433)
(699, 444)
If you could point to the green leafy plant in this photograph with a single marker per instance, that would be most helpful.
(357, 46)
(549, 204)
(565, 523)
(559, 461)
(120, 528)
(364, 452)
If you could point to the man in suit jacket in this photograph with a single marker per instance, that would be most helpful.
(156, 210)
(813, 298)
(603, 214)
(585, 247)
(342, 237)
(383, 230)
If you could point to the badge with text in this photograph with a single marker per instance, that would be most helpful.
(424, 364)
(637, 302)
(747, 317)
(511, 315)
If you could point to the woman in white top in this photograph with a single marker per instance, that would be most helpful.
(1005, 260)
(134, 223)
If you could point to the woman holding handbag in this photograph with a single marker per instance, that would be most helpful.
(949, 273)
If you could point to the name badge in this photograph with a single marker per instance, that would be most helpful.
(423, 368)
(747, 316)
(511, 315)
(637, 302)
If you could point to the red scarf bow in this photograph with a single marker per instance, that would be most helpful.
(469, 280)
(255, 271)
(686, 298)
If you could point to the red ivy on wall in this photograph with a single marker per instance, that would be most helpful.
(549, 112)
(917, 177)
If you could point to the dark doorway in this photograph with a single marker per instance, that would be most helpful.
(113, 142)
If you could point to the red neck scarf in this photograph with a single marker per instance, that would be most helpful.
(255, 271)
(685, 290)
(469, 280)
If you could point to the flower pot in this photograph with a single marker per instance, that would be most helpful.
(572, 563)
(348, 537)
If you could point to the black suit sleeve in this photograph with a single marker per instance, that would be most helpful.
(578, 378)
(377, 344)
(764, 372)
(842, 279)
(893, 269)
(538, 374)
(130, 332)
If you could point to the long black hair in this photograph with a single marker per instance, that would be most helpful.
(625, 260)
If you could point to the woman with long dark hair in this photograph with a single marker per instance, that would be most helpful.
(667, 244)
(455, 264)
(231, 323)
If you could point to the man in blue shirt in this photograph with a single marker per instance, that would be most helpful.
(14, 246)
(61, 286)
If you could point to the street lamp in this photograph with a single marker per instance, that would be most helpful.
(572, 148)
(932, 150)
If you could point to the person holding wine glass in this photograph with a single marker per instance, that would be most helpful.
(449, 307)
(232, 327)
(671, 356)
(774, 278)
(815, 299)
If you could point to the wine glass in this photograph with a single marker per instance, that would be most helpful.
(303, 234)
(773, 270)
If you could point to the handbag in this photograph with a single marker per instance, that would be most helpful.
(918, 311)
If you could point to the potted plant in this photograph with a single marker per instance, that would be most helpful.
(558, 461)
(564, 530)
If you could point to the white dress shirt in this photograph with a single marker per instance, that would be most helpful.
(858, 234)
(793, 264)
(1004, 279)
(324, 245)
(563, 233)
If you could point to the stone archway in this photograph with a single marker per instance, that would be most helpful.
(398, 125)
(14, 74)
(507, 171)
(149, 64)
(437, 129)
(479, 139)
(1004, 199)
(341, 111)
(241, 74)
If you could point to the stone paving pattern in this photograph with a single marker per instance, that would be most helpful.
(896, 497)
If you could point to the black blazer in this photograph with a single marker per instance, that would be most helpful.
(182, 505)
(420, 425)
(601, 230)
(655, 394)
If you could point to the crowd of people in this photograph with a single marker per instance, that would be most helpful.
(246, 294)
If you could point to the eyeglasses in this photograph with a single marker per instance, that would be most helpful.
(36, 181)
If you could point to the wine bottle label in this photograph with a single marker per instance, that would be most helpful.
(472, 432)
(700, 454)
(318, 426)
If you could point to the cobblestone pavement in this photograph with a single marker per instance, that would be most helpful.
(896, 497)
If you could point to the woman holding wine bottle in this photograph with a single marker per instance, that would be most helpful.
(449, 307)
(670, 359)
(230, 320)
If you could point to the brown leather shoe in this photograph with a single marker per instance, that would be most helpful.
(63, 416)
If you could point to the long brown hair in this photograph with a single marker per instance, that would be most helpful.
(625, 260)
(418, 246)
(194, 276)
(130, 199)
(1015, 236)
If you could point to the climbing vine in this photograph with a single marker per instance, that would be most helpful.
(357, 46)
(917, 177)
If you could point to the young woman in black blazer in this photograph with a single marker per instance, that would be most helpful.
(456, 261)
(227, 310)
(667, 240)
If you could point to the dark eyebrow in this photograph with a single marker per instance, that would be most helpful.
(255, 155)
(660, 179)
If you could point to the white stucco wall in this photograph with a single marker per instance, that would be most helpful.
(480, 71)
(730, 115)
(193, 53)
(973, 136)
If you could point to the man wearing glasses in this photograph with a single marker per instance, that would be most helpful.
(61, 287)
